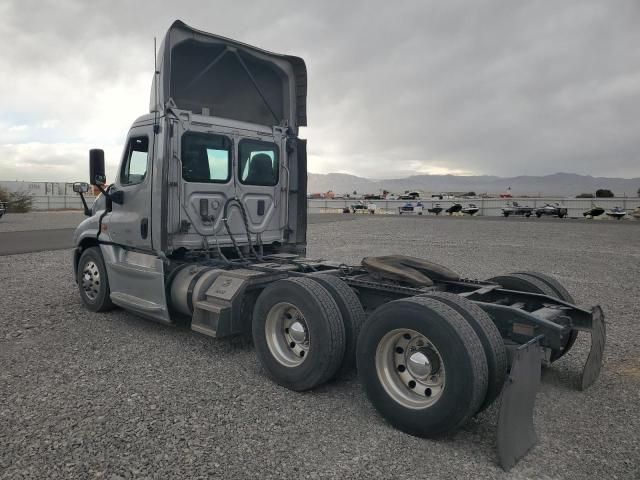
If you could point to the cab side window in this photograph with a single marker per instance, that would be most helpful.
(258, 163)
(134, 169)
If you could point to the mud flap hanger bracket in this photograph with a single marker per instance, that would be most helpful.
(516, 433)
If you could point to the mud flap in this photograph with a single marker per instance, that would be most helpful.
(594, 361)
(516, 434)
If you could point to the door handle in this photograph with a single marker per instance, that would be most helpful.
(144, 227)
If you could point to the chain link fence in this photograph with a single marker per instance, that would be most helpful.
(490, 207)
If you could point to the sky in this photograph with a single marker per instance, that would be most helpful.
(395, 88)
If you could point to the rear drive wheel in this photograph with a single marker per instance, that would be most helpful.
(490, 338)
(298, 333)
(534, 282)
(352, 315)
(422, 366)
(92, 280)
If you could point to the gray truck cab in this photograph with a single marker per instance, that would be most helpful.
(215, 164)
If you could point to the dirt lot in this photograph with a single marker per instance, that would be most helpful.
(114, 396)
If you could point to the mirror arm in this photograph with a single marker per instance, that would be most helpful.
(116, 196)
(87, 210)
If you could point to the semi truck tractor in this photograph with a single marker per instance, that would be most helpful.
(206, 222)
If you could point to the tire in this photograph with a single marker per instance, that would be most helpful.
(322, 329)
(538, 215)
(490, 338)
(93, 283)
(353, 317)
(533, 282)
(563, 294)
(435, 411)
(560, 292)
(527, 215)
(506, 215)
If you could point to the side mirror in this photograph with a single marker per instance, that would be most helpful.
(97, 174)
(81, 187)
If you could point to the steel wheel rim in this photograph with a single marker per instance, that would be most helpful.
(287, 334)
(91, 280)
(410, 368)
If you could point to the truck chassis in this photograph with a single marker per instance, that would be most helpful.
(520, 321)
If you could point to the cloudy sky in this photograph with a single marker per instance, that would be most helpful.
(395, 88)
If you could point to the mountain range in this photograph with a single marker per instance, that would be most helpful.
(558, 184)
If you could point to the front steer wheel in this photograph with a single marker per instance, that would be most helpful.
(298, 333)
(422, 365)
(93, 282)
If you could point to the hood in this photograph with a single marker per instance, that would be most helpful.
(213, 75)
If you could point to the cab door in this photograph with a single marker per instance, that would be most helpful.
(128, 224)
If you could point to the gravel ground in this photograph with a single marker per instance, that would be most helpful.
(22, 222)
(114, 396)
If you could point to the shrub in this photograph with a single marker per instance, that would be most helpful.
(604, 193)
(19, 202)
(585, 195)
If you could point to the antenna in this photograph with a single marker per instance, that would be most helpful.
(156, 127)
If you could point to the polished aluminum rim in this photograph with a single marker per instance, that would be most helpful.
(91, 280)
(410, 368)
(287, 334)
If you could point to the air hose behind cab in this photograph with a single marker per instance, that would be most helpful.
(225, 219)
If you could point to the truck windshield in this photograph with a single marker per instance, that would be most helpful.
(206, 158)
(258, 163)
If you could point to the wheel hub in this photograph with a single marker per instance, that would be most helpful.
(410, 368)
(287, 334)
(91, 280)
(297, 332)
(424, 362)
